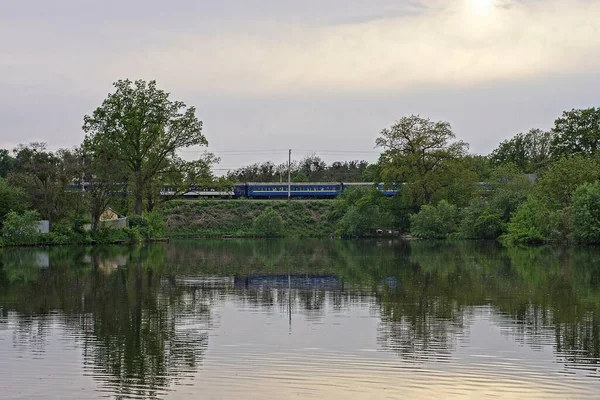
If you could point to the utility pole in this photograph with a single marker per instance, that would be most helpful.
(290, 175)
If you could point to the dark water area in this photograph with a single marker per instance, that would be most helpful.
(299, 319)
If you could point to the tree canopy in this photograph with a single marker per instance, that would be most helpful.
(418, 151)
(146, 129)
(530, 152)
(577, 132)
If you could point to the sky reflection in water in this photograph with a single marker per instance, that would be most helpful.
(279, 319)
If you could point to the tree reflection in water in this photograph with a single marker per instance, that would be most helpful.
(143, 313)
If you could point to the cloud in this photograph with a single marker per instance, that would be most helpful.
(464, 43)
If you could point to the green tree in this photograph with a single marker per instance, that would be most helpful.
(21, 228)
(146, 127)
(7, 163)
(434, 222)
(577, 132)
(269, 224)
(44, 176)
(586, 213)
(530, 152)
(531, 224)
(360, 211)
(417, 151)
(509, 188)
(104, 172)
(481, 221)
(556, 186)
(11, 199)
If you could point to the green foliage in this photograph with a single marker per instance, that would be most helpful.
(556, 186)
(149, 226)
(359, 211)
(481, 221)
(530, 151)
(509, 189)
(577, 132)
(269, 224)
(434, 222)
(531, 224)
(147, 128)
(105, 235)
(586, 213)
(156, 224)
(421, 153)
(217, 218)
(21, 228)
(11, 199)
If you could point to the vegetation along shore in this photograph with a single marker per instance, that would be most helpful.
(537, 187)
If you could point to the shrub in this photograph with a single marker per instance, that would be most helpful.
(21, 228)
(481, 221)
(530, 224)
(269, 224)
(434, 222)
(137, 221)
(108, 235)
(156, 225)
(358, 221)
(586, 213)
(11, 199)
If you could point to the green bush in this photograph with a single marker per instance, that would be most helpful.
(269, 224)
(155, 224)
(133, 234)
(11, 199)
(137, 221)
(529, 225)
(21, 228)
(481, 221)
(108, 235)
(586, 214)
(434, 222)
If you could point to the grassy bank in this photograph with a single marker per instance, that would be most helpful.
(205, 218)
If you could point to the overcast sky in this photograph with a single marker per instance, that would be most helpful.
(307, 75)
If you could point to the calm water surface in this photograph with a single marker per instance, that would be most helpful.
(303, 319)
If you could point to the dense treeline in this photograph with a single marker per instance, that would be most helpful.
(128, 152)
(310, 169)
(539, 186)
(536, 187)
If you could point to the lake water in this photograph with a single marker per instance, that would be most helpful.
(299, 319)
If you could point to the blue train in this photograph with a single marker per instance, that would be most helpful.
(322, 190)
(266, 190)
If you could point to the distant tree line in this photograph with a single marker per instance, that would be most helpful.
(539, 186)
(129, 151)
(310, 169)
(536, 187)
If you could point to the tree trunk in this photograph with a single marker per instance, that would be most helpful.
(138, 194)
(139, 200)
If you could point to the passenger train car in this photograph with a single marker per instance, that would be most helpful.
(265, 190)
(322, 190)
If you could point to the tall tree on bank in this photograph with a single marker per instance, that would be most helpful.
(418, 151)
(577, 132)
(530, 151)
(146, 128)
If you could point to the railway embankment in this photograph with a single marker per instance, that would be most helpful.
(235, 218)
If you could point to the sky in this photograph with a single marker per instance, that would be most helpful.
(311, 75)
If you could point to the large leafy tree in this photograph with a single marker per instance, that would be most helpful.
(577, 132)
(7, 163)
(419, 152)
(146, 128)
(104, 172)
(44, 176)
(529, 151)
